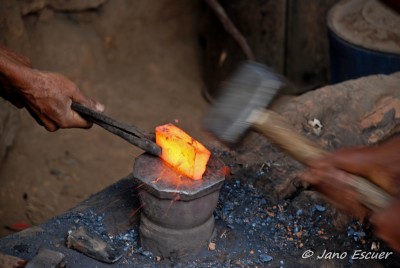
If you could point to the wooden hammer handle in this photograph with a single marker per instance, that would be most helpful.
(274, 127)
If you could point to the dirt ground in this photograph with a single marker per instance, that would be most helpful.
(141, 61)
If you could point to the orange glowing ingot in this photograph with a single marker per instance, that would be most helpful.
(182, 152)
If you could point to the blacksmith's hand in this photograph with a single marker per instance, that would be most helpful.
(380, 164)
(47, 96)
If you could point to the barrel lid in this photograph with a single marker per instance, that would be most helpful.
(366, 23)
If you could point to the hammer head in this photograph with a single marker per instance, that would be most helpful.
(252, 86)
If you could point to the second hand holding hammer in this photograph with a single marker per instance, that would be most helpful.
(241, 106)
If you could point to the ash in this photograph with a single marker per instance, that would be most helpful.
(253, 229)
(94, 223)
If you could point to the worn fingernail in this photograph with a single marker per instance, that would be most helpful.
(99, 107)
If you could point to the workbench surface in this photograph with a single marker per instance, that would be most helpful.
(111, 210)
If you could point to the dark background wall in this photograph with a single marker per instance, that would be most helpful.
(290, 36)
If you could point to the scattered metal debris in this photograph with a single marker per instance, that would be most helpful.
(315, 126)
(47, 258)
(92, 245)
(265, 258)
(11, 261)
(211, 246)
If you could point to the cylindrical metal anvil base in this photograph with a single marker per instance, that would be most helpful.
(170, 242)
(177, 212)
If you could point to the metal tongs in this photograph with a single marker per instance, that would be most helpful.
(132, 134)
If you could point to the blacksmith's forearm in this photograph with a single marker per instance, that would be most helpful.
(15, 69)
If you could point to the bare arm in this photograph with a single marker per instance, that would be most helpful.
(47, 96)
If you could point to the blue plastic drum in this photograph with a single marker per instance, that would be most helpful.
(364, 39)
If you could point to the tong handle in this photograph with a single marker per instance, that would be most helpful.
(129, 133)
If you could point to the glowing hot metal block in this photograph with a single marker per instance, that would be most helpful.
(182, 152)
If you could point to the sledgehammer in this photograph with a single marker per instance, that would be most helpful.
(241, 106)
